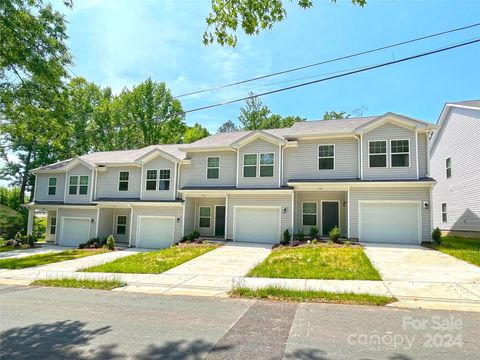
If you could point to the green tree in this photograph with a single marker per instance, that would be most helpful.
(194, 133)
(228, 126)
(333, 115)
(253, 16)
(10, 197)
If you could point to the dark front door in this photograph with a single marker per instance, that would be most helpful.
(329, 216)
(219, 220)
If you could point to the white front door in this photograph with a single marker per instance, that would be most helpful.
(155, 232)
(75, 231)
(254, 224)
(391, 222)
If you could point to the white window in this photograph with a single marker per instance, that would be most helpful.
(53, 225)
(151, 182)
(213, 167)
(121, 225)
(399, 153)
(205, 215)
(123, 179)
(444, 212)
(52, 186)
(377, 153)
(448, 167)
(326, 157)
(249, 165)
(267, 164)
(164, 180)
(78, 185)
(309, 213)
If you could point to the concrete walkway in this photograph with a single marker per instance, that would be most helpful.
(42, 249)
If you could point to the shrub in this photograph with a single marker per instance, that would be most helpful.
(314, 241)
(30, 240)
(195, 235)
(18, 236)
(347, 242)
(313, 232)
(110, 243)
(334, 234)
(437, 236)
(300, 236)
(286, 237)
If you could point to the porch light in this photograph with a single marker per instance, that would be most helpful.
(178, 220)
(92, 220)
(284, 210)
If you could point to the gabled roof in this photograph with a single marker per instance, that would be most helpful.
(327, 127)
(398, 119)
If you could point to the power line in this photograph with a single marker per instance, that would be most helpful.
(330, 60)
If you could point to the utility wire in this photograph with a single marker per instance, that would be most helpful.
(330, 60)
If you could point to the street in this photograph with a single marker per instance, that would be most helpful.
(57, 323)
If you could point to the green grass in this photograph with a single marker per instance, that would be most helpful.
(4, 248)
(317, 262)
(467, 249)
(277, 293)
(43, 259)
(154, 262)
(83, 284)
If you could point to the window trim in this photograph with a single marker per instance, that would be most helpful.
(444, 213)
(392, 153)
(316, 212)
(387, 165)
(325, 157)
(208, 168)
(78, 185)
(448, 169)
(50, 186)
(53, 226)
(169, 179)
(127, 181)
(243, 166)
(259, 161)
(124, 225)
(147, 179)
(205, 217)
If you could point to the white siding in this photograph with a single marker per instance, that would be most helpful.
(107, 183)
(77, 212)
(42, 187)
(175, 211)
(195, 174)
(189, 215)
(459, 140)
(257, 147)
(80, 170)
(206, 201)
(105, 222)
(158, 163)
(422, 155)
(302, 161)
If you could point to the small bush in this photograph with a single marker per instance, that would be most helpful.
(195, 235)
(300, 236)
(313, 232)
(18, 236)
(437, 236)
(334, 234)
(110, 243)
(314, 241)
(286, 237)
(30, 240)
(347, 242)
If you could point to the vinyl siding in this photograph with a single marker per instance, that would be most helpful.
(317, 197)
(105, 222)
(77, 212)
(459, 140)
(282, 200)
(302, 161)
(158, 163)
(189, 215)
(389, 132)
(422, 155)
(175, 211)
(200, 202)
(257, 147)
(195, 174)
(79, 170)
(42, 187)
(419, 194)
(107, 183)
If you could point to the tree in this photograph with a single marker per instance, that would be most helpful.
(253, 16)
(194, 133)
(227, 127)
(333, 115)
(9, 197)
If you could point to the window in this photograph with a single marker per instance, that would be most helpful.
(52, 186)
(213, 167)
(377, 153)
(267, 164)
(444, 212)
(309, 214)
(250, 165)
(78, 185)
(448, 167)
(53, 225)
(326, 157)
(400, 153)
(205, 212)
(123, 180)
(151, 180)
(164, 182)
(121, 225)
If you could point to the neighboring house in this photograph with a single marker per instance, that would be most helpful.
(368, 176)
(455, 165)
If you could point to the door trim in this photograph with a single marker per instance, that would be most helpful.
(215, 220)
(321, 214)
(155, 217)
(78, 218)
(279, 208)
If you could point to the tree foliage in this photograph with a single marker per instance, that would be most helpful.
(228, 126)
(194, 133)
(253, 16)
(335, 115)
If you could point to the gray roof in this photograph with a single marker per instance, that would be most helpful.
(328, 126)
(126, 156)
(472, 103)
(227, 139)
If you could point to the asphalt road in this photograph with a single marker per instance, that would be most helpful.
(55, 323)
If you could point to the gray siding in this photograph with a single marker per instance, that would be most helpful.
(206, 201)
(175, 211)
(77, 212)
(42, 187)
(257, 147)
(283, 200)
(105, 222)
(189, 215)
(302, 161)
(389, 132)
(195, 174)
(460, 140)
(422, 155)
(107, 183)
(80, 170)
(159, 163)
(419, 194)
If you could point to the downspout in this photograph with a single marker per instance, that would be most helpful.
(131, 226)
(280, 166)
(359, 156)
(416, 153)
(428, 154)
(238, 164)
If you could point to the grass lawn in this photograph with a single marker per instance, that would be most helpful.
(83, 284)
(4, 248)
(317, 262)
(467, 249)
(43, 259)
(154, 262)
(276, 293)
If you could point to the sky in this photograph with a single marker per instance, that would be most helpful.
(120, 43)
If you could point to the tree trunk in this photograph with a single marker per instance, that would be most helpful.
(25, 177)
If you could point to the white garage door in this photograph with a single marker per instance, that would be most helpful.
(257, 225)
(389, 222)
(75, 231)
(155, 232)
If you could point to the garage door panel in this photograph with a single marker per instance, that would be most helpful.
(155, 232)
(75, 231)
(257, 225)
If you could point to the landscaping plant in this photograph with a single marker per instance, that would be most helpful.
(110, 243)
(286, 237)
(437, 236)
(334, 234)
(313, 232)
(300, 236)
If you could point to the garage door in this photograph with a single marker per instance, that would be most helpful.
(155, 232)
(389, 223)
(257, 225)
(75, 231)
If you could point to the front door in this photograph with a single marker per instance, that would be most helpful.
(329, 216)
(219, 220)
